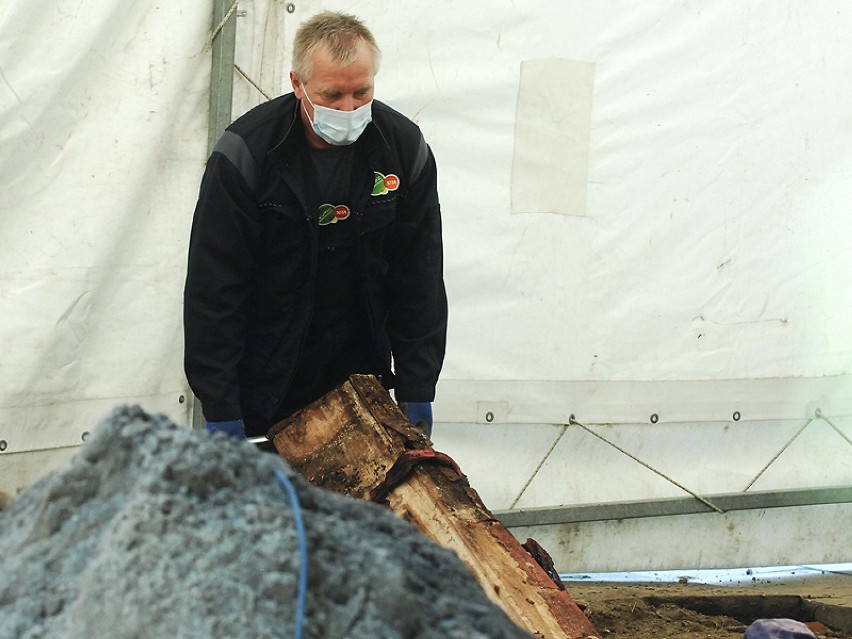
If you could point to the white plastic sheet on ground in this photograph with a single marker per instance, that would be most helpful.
(697, 270)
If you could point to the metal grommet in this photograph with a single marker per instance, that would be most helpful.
(84, 436)
(736, 415)
(181, 399)
(655, 418)
(489, 417)
(291, 7)
(3, 445)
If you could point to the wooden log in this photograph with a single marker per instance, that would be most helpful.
(356, 441)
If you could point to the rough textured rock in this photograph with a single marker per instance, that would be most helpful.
(158, 531)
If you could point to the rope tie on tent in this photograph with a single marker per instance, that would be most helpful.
(818, 414)
(222, 23)
(704, 501)
(540, 464)
(777, 455)
(212, 37)
(252, 82)
(572, 421)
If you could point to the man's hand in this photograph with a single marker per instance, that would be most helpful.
(419, 414)
(232, 428)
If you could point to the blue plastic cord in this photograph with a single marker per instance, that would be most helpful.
(303, 551)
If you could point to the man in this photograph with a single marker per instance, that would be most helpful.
(316, 247)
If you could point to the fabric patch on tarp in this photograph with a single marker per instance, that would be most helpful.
(552, 130)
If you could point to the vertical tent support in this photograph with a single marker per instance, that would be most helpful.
(224, 37)
(222, 76)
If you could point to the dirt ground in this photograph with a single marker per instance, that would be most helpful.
(699, 611)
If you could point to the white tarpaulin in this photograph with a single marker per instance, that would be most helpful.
(646, 227)
(103, 138)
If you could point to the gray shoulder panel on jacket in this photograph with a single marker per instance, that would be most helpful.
(235, 149)
(420, 159)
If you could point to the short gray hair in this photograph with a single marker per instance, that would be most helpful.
(340, 32)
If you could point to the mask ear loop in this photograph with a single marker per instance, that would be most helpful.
(305, 91)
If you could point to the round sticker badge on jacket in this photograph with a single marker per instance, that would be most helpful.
(329, 213)
(384, 183)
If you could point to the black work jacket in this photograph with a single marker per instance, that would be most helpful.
(253, 253)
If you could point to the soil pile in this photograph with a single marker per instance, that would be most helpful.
(159, 531)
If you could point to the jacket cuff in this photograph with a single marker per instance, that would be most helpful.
(414, 393)
(221, 411)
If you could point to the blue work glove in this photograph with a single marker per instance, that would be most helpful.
(419, 414)
(232, 428)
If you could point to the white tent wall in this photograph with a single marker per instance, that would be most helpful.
(689, 308)
(670, 269)
(102, 142)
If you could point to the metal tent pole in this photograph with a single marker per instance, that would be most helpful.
(222, 77)
(675, 506)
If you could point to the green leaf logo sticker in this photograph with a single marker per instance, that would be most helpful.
(384, 183)
(329, 213)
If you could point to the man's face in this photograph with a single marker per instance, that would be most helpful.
(330, 85)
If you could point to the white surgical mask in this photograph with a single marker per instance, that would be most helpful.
(339, 127)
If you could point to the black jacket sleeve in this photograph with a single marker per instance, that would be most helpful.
(417, 320)
(221, 263)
